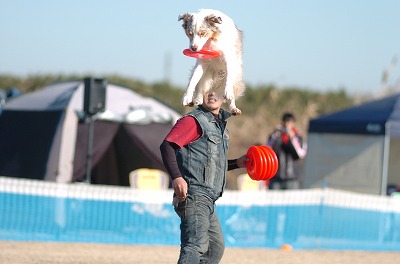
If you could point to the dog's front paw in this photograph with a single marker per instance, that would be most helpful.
(236, 111)
(229, 95)
(187, 99)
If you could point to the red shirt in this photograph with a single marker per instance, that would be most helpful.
(186, 130)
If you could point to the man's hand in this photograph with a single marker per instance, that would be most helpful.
(291, 133)
(241, 162)
(180, 188)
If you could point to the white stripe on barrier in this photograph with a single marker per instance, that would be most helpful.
(83, 191)
(327, 197)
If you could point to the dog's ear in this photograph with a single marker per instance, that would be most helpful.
(185, 17)
(213, 19)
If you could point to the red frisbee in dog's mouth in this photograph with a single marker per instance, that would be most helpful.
(202, 54)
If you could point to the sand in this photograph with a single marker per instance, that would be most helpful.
(63, 253)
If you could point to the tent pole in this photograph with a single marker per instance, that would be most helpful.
(89, 155)
(385, 161)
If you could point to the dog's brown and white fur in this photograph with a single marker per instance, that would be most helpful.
(213, 30)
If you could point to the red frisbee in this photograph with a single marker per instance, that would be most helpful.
(252, 163)
(274, 164)
(275, 158)
(262, 163)
(268, 161)
(265, 160)
(202, 54)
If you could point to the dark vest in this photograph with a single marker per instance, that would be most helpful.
(203, 163)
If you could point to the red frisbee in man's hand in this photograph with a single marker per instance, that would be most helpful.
(267, 160)
(202, 54)
(251, 164)
(273, 161)
(262, 163)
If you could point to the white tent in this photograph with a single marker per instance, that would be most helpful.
(41, 132)
(356, 149)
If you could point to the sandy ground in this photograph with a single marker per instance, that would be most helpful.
(56, 253)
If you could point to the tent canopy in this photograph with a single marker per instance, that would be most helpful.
(369, 118)
(43, 135)
(122, 104)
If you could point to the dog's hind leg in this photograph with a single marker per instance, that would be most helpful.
(230, 95)
(194, 80)
(231, 75)
(232, 107)
(238, 90)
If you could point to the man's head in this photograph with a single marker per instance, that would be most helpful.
(213, 102)
(288, 120)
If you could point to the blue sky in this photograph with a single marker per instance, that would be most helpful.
(306, 43)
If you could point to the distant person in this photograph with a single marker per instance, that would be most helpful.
(288, 145)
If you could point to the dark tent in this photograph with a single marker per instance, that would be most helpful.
(42, 135)
(119, 149)
(356, 149)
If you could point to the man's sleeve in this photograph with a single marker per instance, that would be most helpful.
(232, 164)
(301, 150)
(168, 150)
(186, 130)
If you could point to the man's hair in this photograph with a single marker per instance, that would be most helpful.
(288, 117)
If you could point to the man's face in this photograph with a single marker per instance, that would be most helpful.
(213, 102)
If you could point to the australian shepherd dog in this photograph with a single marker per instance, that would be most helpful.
(212, 30)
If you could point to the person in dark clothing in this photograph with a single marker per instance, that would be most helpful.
(289, 147)
(195, 155)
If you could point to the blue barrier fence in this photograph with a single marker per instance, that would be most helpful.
(306, 219)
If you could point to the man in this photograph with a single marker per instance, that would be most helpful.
(195, 155)
(288, 145)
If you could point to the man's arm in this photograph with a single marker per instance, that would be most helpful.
(237, 163)
(169, 159)
(232, 164)
(300, 149)
(168, 150)
(186, 130)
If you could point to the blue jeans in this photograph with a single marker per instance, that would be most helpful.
(201, 235)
